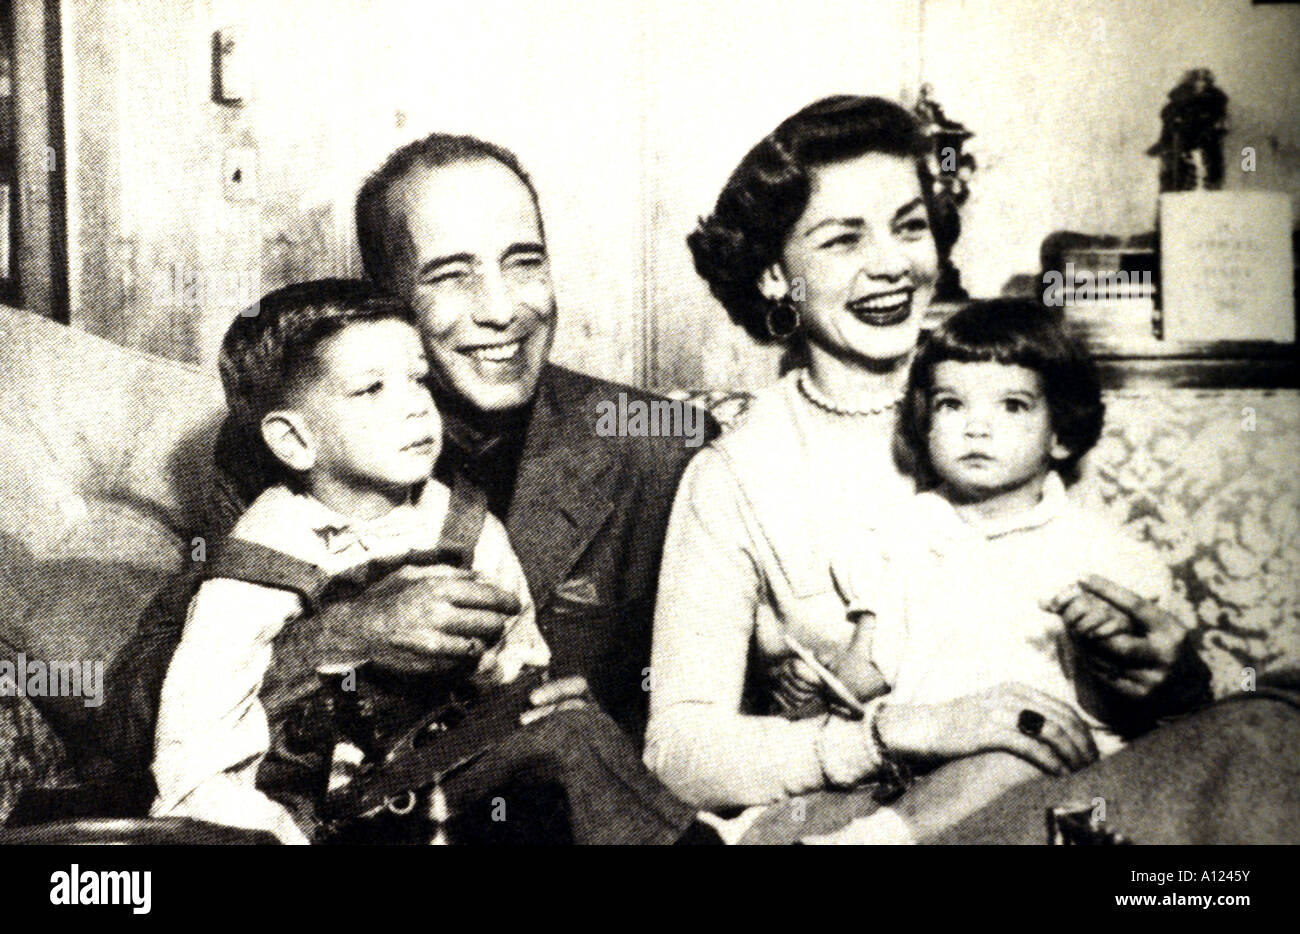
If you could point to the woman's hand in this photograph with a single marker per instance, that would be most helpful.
(986, 721)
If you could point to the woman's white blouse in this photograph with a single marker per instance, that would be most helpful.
(758, 518)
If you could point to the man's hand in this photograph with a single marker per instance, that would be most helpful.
(1128, 642)
(561, 694)
(413, 621)
(417, 622)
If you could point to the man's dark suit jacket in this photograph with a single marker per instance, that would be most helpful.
(587, 520)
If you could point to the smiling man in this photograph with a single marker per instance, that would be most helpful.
(462, 240)
(451, 224)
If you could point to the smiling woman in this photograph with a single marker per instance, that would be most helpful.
(825, 239)
(822, 240)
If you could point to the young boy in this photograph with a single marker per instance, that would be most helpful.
(1000, 408)
(327, 380)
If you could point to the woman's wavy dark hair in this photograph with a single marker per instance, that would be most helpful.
(1012, 332)
(769, 191)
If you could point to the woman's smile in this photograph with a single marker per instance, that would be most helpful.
(884, 309)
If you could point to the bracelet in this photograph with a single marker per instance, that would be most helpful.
(896, 776)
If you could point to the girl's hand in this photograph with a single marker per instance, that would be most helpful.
(986, 721)
(796, 686)
(799, 689)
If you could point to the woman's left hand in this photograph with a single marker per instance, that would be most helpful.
(1129, 642)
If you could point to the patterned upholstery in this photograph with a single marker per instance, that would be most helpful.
(1209, 477)
(30, 754)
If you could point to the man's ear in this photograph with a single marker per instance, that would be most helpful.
(286, 434)
(772, 284)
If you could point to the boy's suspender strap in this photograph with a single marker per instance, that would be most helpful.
(466, 514)
(258, 564)
(461, 528)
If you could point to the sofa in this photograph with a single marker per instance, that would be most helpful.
(108, 456)
(107, 452)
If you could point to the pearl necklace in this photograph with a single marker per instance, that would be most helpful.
(824, 402)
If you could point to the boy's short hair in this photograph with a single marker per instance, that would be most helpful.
(270, 348)
(1011, 332)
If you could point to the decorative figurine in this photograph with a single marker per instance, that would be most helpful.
(951, 170)
(1191, 139)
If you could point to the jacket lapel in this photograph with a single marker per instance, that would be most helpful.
(563, 493)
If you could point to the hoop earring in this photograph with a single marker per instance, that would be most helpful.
(786, 310)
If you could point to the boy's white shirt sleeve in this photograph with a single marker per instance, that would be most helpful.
(522, 645)
(212, 730)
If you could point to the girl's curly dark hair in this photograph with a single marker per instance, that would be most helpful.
(769, 191)
(1013, 332)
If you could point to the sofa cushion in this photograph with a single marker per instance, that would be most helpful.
(76, 569)
(1209, 478)
(124, 425)
(107, 454)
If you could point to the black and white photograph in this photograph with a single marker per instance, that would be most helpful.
(739, 422)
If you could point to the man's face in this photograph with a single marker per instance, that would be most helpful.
(476, 272)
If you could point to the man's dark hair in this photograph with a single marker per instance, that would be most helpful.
(770, 188)
(270, 348)
(381, 231)
(1011, 332)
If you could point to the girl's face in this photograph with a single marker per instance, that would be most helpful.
(861, 262)
(991, 438)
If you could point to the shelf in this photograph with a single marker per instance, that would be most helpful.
(1199, 372)
(1140, 361)
(1131, 361)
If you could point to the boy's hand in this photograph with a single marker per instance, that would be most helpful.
(560, 694)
